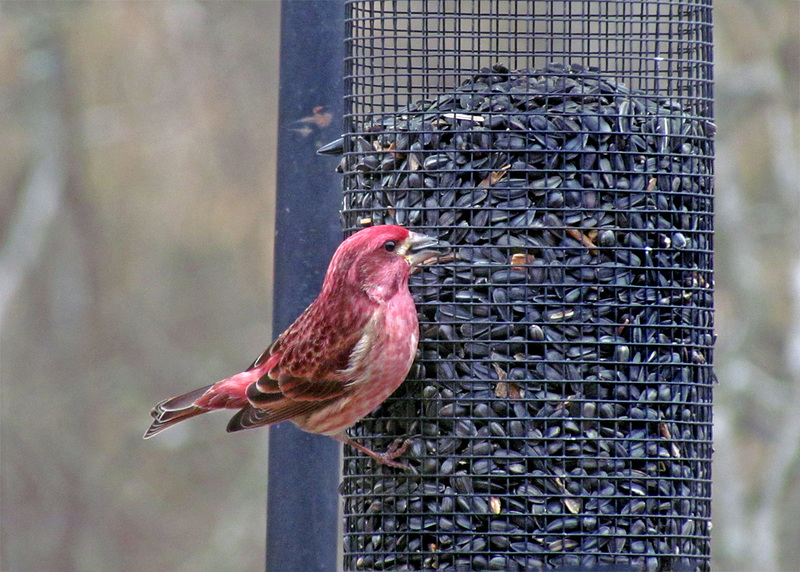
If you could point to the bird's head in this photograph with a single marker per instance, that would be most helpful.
(378, 260)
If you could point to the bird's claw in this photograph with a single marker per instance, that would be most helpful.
(396, 449)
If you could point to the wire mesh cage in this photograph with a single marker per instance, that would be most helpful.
(559, 411)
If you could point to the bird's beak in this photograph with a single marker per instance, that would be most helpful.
(416, 248)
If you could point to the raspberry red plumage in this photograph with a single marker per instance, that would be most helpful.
(342, 357)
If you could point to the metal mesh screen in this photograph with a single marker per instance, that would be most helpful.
(560, 408)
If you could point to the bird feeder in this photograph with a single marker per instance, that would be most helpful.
(559, 411)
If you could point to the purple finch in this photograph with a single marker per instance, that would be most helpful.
(345, 354)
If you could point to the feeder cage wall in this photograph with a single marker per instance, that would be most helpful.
(559, 412)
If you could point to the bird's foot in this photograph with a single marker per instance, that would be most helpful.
(395, 450)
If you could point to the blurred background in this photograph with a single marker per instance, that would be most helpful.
(137, 169)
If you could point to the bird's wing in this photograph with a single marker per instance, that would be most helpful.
(314, 369)
(277, 397)
(301, 373)
(250, 416)
(306, 374)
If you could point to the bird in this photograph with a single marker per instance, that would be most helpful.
(346, 353)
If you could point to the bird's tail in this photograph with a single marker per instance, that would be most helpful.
(176, 409)
(226, 394)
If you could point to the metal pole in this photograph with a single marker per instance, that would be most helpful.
(302, 498)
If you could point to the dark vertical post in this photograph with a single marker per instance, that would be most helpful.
(302, 500)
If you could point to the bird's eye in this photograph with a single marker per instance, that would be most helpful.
(390, 246)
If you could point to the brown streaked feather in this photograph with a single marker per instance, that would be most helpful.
(265, 384)
(302, 389)
(317, 359)
(247, 418)
(251, 417)
(293, 377)
(260, 398)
